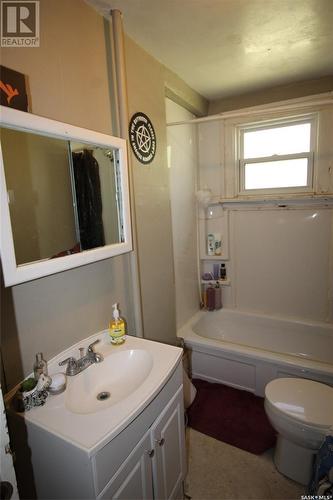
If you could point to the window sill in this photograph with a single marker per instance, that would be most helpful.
(280, 200)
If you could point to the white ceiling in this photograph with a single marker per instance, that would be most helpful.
(223, 48)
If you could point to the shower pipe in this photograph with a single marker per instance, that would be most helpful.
(123, 114)
(201, 298)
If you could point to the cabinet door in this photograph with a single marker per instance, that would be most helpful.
(168, 439)
(133, 481)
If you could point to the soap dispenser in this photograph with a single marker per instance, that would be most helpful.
(117, 328)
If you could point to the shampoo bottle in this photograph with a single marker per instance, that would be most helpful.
(223, 272)
(210, 244)
(210, 294)
(117, 327)
(218, 296)
(217, 244)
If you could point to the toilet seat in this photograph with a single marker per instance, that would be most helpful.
(303, 400)
(288, 422)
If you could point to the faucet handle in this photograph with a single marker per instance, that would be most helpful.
(67, 360)
(71, 365)
(91, 346)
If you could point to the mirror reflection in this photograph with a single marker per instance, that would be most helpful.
(64, 196)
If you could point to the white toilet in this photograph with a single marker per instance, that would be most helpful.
(301, 411)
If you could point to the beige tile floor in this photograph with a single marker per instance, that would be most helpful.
(218, 471)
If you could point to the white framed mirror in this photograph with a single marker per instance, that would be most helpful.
(64, 196)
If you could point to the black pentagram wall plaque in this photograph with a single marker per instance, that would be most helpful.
(142, 138)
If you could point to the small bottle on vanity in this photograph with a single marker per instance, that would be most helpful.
(40, 366)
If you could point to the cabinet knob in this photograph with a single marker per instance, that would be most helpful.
(150, 453)
(160, 442)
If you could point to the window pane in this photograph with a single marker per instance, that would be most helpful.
(277, 141)
(276, 174)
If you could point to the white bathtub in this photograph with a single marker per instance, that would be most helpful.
(246, 350)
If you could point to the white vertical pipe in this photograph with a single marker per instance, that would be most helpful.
(119, 55)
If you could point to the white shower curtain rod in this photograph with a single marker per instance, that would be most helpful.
(288, 105)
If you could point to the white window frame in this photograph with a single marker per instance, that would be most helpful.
(309, 188)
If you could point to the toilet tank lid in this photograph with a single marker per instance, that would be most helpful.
(303, 399)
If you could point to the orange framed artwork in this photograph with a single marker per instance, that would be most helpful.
(13, 89)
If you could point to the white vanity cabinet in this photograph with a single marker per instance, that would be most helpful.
(134, 478)
(155, 468)
(167, 436)
(145, 460)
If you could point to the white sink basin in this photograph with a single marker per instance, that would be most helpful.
(104, 384)
(133, 373)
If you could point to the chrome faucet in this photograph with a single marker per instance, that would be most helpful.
(75, 366)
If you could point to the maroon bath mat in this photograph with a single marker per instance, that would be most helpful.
(230, 415)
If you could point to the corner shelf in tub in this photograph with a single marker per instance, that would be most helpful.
(213, 282)
(214, 257)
